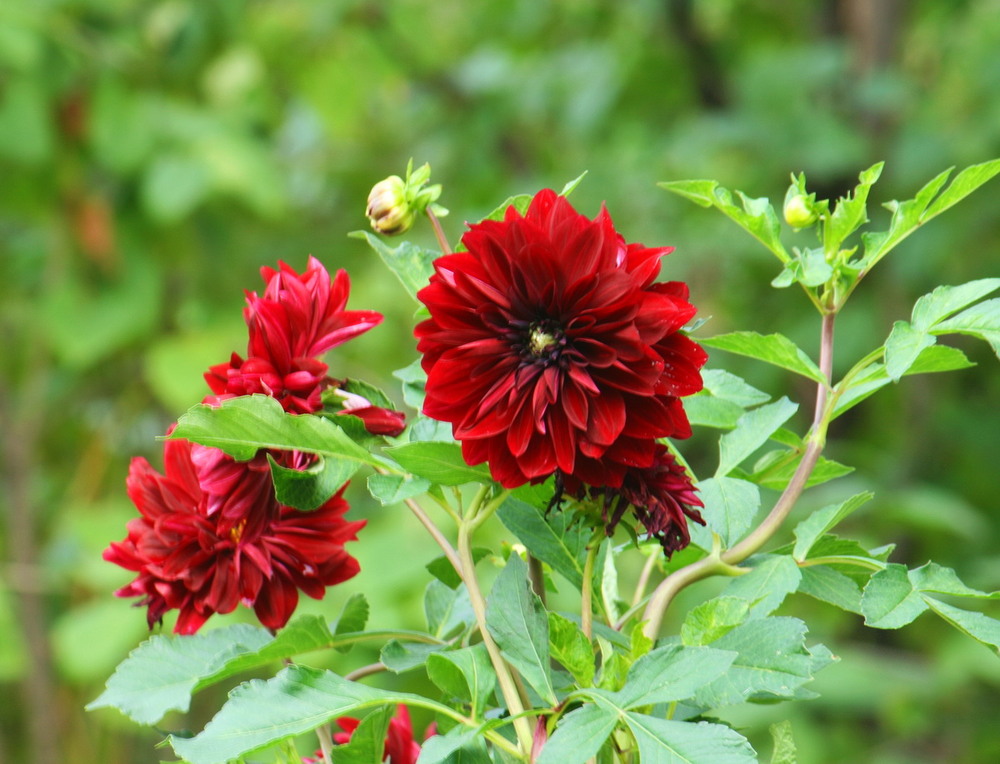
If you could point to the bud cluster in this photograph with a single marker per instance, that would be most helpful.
(395, 203)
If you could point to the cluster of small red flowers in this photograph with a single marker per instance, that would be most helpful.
(551, 349)
(211, 533)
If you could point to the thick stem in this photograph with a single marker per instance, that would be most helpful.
(325, 742)
(508, 688)
(724, 562)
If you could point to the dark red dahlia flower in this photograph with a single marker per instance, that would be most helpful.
(400, 747)
(550, 347)
(298, 318)
(661, 496)
(211, 535)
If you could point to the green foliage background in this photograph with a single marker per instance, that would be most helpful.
(153, 155)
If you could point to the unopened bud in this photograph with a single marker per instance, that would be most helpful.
(388, 209)
(798, 212)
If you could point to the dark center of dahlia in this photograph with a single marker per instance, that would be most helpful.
(545, 337)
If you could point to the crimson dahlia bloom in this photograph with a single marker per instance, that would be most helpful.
(400, 747)
(550, 347)
(211, 535)
(298, 318)
(661, 496)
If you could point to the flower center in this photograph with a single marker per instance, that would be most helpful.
(237, 531)
(544, 338)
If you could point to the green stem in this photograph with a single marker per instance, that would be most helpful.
(723, 562)
(847, 559)
(436, 534)
(587, 589)
(439, 233)
(325, 742)
(466, 570)
(644, 576)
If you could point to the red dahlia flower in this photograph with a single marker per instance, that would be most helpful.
(549, 347)
(400, 747)
(211, 535)
(661, 496)
(298, 318)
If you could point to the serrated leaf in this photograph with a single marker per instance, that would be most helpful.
(938, 305)
(751, 432)
(579, 735)
(784, 744)
(903, 347)
(967, 181)
(824, 583)
(705, 410)
(936, 358)
(352, 618)
(310, 488)
(393, 489)
(446, 609)
(770, 580)
(299, 699)
(242, 426)
(730, 507)
(412, 265)
(519, 202)
(713, 619)
(778, 477)
(440, 463)
(466, 674)
(772, 663)
(775, 349)
(570, 646)
(757, 216)
(554, 540)
(824, 520)
(518, 622)
(981, 320)
(979, 626)
(662, 741)
(367, 743)
(851, 211)
(671, 673)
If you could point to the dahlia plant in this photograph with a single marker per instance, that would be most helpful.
(557, 381)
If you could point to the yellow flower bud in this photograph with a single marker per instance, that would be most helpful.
(799, 213)
(388, 209)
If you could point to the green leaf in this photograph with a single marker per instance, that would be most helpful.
(831, 586)
(851, 211)
(713, 619)
(299, 699)
(722, 401)
(412, 265)
(751, 432)
(730, 507)
(784, 744)
(446, 609)
(981, 320)
(571, 186)
(414, 379)
(399, 656)
(936, 358)
(310, 488)
(778, 477)
(393, 489)
(442, 569)
(173, 185)
(775, 349)
(723, 384)
(662, 741)
(967, 181)
(569, 646)
(903, 347)
(459, 745)
(770, 580)
(520, 202)
(979, 626)
(353, 617)
(757, 216)
(772, 663)
(242, 426)
(935, 307)
(890, 601)
(440, 463)
(579, 735)
(518, 623)
(824, 520)
(466, 674)
(555, 540)
(671, 673)
(162, 673)
(367, 743)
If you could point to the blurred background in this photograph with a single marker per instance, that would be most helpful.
(153, 155)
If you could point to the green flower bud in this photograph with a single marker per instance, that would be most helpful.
(799, 211)
(388, 209)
